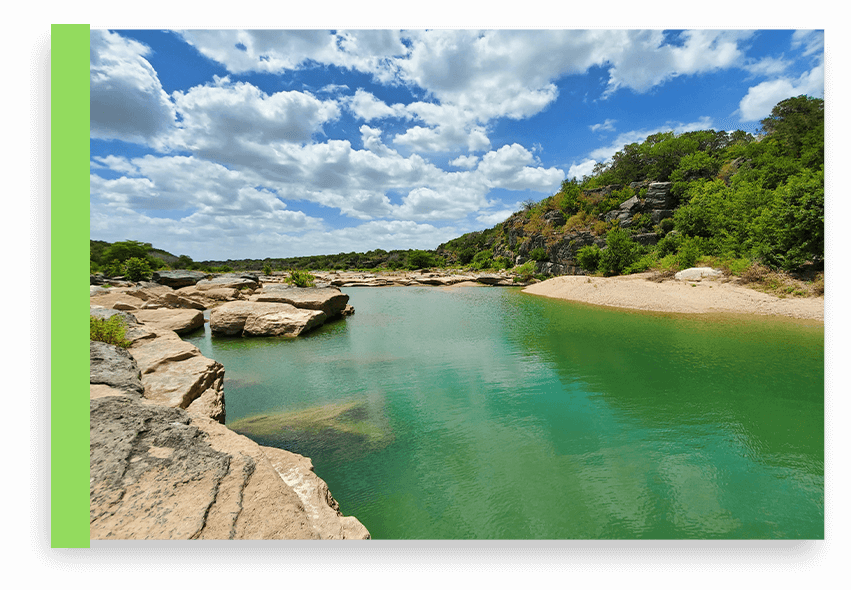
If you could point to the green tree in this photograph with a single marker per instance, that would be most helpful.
(620, 252)
(421, 259)
(797, 124)
(122, 251)
(137, 269)
(790, 231)
(588, 258)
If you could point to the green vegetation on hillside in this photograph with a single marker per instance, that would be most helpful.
(737, 201)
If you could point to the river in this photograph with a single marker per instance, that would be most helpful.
(487, 413)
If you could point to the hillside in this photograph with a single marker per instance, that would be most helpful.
(729, 199)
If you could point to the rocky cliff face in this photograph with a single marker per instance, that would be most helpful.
(164, 466)
(519, 236)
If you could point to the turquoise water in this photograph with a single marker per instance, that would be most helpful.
(487, 413)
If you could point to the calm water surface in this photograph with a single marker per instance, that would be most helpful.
(487, 413)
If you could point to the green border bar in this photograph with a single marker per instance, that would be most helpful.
(69, 246)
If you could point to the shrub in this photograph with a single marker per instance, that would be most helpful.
(689, 252)
(137, 269)
(644, 263)
(421, 259)
(588, 258)
(301, 278)
(111, 331)
(525, 272)
(501, 263)
(621, 251)
(482, 260)
(539, 255)
(267, 269)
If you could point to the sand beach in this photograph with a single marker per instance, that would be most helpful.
(677, 296)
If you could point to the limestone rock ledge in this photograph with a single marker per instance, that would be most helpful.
(159, 471)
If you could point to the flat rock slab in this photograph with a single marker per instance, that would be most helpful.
(228, 282)
(178, 278)
(329, 300)
(179, 320)
(177, 375)
(698, 273)
(114, 367)
(256, 318)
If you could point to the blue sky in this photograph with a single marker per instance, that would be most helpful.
(253, 143)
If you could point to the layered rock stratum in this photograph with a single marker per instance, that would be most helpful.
(163, 464)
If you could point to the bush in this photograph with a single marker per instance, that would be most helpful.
(418, 259)
(525, 272)
(466, 255)
(621, 251)
(588, 258)
(301, 278)
(483, 260)
(267, 269)
(539, 255)
(644, 263)
(137, 269)
(689, 252)
(111, 331)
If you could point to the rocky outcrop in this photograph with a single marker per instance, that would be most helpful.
(178, 278)
(229, 281)
(114, 368)
(658, 203)
(159, 471)
(256, 318)
(179, 320)
(329, 300)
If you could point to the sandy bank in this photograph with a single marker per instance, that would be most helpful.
(707, 296)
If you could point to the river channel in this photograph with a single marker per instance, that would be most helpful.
(488, 413)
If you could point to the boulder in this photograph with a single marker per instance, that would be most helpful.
(230, 281)
(258, 318)
(223, 294)
(176, 374)
(164, 473)
(177, 278)
(659, 196)
(117, 300)
(114, 367)
(179, 320)
(142, 298)
(624, 214)
(657, 215)
(698, 273)
(555, 218)
(329, 300)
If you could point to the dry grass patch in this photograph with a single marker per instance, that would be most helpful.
(808, 283)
